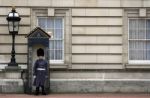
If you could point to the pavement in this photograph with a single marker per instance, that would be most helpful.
(107, 95)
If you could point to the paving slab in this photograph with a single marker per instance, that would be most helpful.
(76, 96)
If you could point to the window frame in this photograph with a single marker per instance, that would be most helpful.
(136, 61)
(62, 12)
(63, 39)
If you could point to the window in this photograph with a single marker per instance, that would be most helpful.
(56, 27)
(139, 41)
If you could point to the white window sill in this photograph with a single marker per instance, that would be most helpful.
(141, 62)
(56, 61)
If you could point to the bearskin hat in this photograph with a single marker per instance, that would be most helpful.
(40, 52)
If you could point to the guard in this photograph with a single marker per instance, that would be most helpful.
(40, 72)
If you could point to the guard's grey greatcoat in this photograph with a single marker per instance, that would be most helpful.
(41, 75)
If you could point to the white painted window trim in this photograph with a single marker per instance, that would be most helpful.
(62, 12)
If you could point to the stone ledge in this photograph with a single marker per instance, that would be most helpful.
(3, 66)
(83, 85)
(137, 66)
(12, 68)
(100, 86)
(58, 66)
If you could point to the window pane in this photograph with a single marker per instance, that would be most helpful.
(58, 23)
(141, 50)
(141, 29)
(133, 28)
(50, 23)
(42, 22)
(51, 44)
(59, 44)
(131, 24)
(50, 30)
(58, 54)
(58, 34)
(148, 50)
(52, 54)
(148, 29)
(137, 50)
(132, 48)
(51, 33)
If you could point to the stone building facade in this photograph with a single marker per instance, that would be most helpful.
(103, 44)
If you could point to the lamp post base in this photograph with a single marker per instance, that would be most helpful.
(12, 64)
(13, 72)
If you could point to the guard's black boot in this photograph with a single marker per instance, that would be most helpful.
(37, 91)
(43, 91)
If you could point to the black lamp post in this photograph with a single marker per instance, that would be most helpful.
(13, 27)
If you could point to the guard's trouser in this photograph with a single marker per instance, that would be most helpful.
(43, 90)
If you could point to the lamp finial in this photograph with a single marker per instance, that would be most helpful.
(13, 8)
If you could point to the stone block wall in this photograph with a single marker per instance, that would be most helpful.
(95, 41)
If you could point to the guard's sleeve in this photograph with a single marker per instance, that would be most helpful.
(34, 68)
(47, 69)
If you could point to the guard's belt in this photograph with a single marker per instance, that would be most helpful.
(40, 68)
